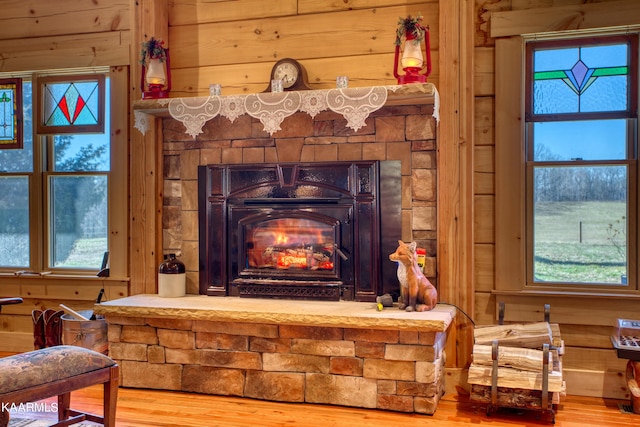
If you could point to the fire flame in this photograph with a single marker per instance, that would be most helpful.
(280, 238)
(291, 243)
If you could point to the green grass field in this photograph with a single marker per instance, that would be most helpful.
(84, 253)
(580, 242)
(87, 253)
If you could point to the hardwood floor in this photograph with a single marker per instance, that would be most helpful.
(153, 408)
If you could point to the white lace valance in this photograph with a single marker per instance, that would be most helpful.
(354, 104)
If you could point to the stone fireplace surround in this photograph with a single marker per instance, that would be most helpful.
(343, 353)
(339, 353)
(404, 129)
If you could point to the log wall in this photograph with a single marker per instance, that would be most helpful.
(235, 44)
(45, 35)
(591, 366)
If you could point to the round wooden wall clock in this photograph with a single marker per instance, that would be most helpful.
(292, 74)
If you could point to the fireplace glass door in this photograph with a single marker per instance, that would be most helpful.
(290, 244)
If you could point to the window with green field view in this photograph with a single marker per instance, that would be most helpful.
(581, 160)
(54, 190)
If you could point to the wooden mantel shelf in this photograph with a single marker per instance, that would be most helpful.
(354, 103)
(409, 94)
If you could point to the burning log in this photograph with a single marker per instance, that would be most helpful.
(294, 257)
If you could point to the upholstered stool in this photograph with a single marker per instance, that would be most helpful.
(57, 371)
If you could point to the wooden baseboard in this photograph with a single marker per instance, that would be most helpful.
(607, 384)
(16, 342)
(455, 381)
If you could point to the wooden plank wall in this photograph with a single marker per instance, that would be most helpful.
(63, 34)
(47, 35)
(590, 364)
(235, 43)
(483, 169)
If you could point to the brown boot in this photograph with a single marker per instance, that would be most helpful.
(38, 329)
(53, 327)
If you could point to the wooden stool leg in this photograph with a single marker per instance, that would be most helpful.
(64, 402)
(633, 376)
(4, 418)
(111, 398)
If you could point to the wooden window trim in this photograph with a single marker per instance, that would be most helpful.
(559, 19)
(510, 171)
(526, 305)
(510, 209)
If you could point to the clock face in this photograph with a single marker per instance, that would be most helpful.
(287, 72)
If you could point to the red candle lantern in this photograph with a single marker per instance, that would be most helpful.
(156, 74)
(413, 33)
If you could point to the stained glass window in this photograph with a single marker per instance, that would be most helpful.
(10, 113)
(587, 78)
(71, 104)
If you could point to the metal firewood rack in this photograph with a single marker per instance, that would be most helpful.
(546, 404)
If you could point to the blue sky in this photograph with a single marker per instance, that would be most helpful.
(591, 140)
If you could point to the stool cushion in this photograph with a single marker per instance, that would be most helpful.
(49, 364)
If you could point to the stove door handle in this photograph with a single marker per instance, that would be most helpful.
(339, 251)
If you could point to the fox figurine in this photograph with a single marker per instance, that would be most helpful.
(416, 291)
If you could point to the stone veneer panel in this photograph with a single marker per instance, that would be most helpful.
(374, 373)
(341, 390)
(402, 132)
(310, 352)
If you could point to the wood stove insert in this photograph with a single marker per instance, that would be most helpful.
(319, 231)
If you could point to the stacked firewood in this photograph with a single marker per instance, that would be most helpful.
(520, 361)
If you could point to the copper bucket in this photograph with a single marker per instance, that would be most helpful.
(91, 334)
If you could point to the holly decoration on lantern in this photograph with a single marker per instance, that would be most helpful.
(410, 26)
(154, 49)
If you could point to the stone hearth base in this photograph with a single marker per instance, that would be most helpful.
(339, 353)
